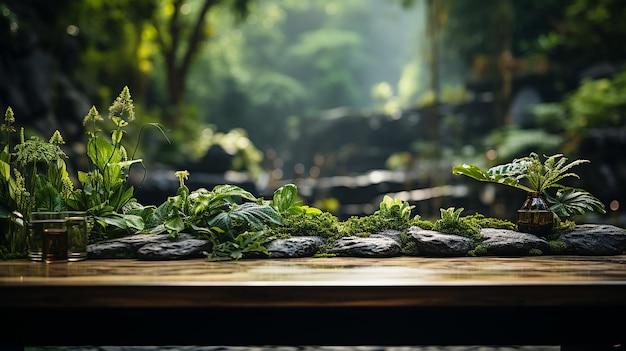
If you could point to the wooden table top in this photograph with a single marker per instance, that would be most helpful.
(543, 300)
(402, 281)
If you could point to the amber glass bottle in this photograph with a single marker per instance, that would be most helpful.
(534, 216)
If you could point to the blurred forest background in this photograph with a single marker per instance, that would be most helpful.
(348, 99)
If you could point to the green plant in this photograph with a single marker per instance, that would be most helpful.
(323, 224)
(479, 250)
(299, 219)
(557, 246)
(568, 202)
(394, 208)
(231, 218)
(490, 222)
(32, 177)
(531, 175)
(451, 222)
(105, 191)
(393, 213)
(285, 201)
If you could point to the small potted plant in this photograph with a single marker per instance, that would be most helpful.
(529, 174)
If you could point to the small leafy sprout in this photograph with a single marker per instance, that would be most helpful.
(9, 119)
(451, 215)
(286, 202)
(392, 214)
(182, 176)
(394, 208)
(121, 112)
(92, 117)
(56, 138)
(183, 193)
(123, 108)
(451, 222)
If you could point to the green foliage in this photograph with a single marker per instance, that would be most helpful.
(32, 177)
(104, 188)
(451, 222)
(230, 217)
(410, 249)
(286, 202)
(490, 222)
(539, 177)
(249, 215)
(299, 219)
(569, 202)
(244, 245)
(394, 208)
(535, 252)
(479, 250)
(422, 223)
(557, 246)
(324, 224)
(560, 227)
(364, 226)
(599, 103)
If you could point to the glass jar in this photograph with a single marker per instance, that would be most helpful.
(535, 216)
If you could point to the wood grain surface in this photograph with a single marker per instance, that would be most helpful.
(543, 300)
(403, 281)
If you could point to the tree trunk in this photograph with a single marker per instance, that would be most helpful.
(177, 64)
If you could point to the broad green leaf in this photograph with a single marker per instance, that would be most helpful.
(102, 153)
(47, 198)
(120, 197)
(571, 201)
(116, 136)
(258, 216)
(229, 190)
(222, 221)
(479, 174)
(113, 220)
(175, 224)
(83, 177)
(5, 170)
(285, 198)
(133, 221)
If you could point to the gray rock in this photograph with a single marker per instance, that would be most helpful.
(389, 233)
(125, 247)
(297, 246)
(179, 248)
(434, 243)
(505, 242)
(595, 239)
(366, 247)
(183, 246)
(111, 249)
(586, 239)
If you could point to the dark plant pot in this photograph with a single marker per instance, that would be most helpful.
(534, 216)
